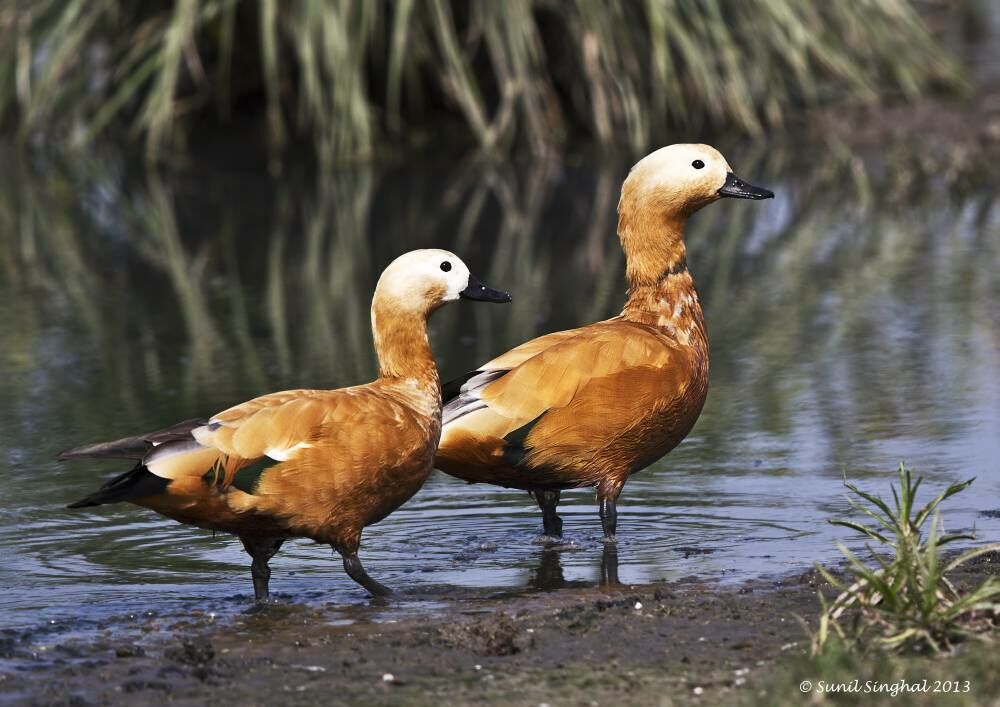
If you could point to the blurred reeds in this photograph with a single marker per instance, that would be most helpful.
(352, 76)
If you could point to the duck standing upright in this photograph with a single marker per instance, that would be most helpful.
(592, 406)
(318, 464)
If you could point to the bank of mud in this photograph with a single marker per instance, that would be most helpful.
(687, 642)
(573, 646)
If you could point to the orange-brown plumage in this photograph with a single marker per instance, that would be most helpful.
(593, 405)
(335, 480)
(318, 464)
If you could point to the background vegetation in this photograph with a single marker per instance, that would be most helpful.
(347, 76)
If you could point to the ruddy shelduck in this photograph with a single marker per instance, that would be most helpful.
(592, 406)
(317, 464)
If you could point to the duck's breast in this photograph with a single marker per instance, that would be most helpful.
(619, 423)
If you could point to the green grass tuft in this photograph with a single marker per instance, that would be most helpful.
(903, 599)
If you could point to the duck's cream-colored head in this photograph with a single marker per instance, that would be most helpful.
(423, 280)
(661, 191)
(677, 180)
(413, 286)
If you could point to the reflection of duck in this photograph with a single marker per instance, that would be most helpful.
(320, 464)
(549, 573)
(591, 406)
(609, 565)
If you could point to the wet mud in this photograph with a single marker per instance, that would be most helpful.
(666, 643)
(572, 646)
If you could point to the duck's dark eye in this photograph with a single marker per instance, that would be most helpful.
(446, 266)
(697, 164)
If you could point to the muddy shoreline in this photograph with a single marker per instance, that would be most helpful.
(575, 646)
(686, 642)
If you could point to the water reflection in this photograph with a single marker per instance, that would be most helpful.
(548, 573)
(851, 322)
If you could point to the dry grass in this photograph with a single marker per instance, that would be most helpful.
(349, 76)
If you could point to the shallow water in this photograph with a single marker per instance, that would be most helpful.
(852, 324)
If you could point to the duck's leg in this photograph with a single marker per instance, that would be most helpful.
(607, 495)
(261, 550)
(551, 522)
(356, 571)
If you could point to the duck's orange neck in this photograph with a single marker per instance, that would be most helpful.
(401, 343)
(661, 291)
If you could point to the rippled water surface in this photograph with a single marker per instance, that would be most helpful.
(852, 324)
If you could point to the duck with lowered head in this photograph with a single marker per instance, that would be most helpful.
(592, 406)
(318, 464)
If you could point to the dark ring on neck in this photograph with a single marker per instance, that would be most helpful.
(679, 266)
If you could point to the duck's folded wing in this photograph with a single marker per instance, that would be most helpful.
(462, 395)
(195, 457)
(275, 426)
(578, 386)
(529, 349)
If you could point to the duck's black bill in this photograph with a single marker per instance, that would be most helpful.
(478, 291)
(738, 189)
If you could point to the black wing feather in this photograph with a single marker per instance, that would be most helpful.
(133, 447)
(139, 482)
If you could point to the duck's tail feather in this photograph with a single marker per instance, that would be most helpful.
(136, 483)
(133, 447)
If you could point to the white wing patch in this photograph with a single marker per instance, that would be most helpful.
(468, 399)
(176, 459)
(204, 434)
(463, 407)
(283, 455)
